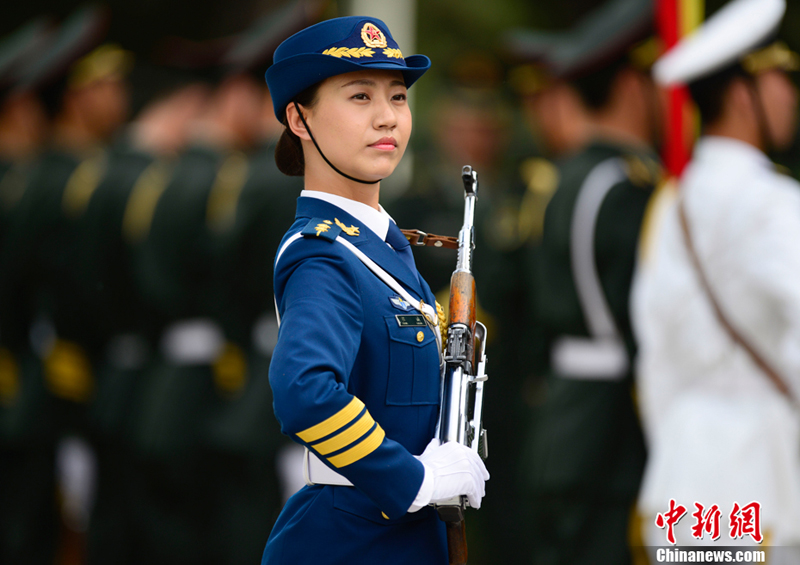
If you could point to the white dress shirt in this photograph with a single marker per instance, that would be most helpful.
(718, 430)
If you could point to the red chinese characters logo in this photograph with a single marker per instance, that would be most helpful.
(743, 521)
(746, 521)
(707, 523)
(670, 518)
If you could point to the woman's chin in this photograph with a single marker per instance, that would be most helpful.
(379, 170)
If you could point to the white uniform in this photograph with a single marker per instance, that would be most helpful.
(718, 430)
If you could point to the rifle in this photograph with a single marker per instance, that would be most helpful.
(460, 417)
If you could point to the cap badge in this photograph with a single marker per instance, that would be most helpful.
(373, 36)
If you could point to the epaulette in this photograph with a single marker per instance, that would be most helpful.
(143, 200)
(82, 183)
(324, 229)
(540, 176)
(541, 179)
(642, 171)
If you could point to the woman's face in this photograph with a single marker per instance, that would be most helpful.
(362, 123)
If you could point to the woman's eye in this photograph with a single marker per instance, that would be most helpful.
(399, 97)
(360, 96)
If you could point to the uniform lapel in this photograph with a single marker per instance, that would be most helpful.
(367, 241)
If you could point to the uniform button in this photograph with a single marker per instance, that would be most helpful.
(420, 336)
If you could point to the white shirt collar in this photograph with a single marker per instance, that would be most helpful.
(377, 221)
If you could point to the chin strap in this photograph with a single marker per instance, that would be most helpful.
(345, 175)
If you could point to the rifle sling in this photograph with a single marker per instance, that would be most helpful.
(420, 238)
(762, 363)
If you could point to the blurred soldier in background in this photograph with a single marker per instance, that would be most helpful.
(23, 125)
(85, 96)
(716, 301)
(558, 120)
(203, 435)
(248, 225)
(471, 125)
(27, 480)
(553, 115)
(585, 452)
(112, 226)
(552, 106)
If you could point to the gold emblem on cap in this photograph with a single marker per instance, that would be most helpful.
(393, 53)
(354, 52)
(372, 36)
(775, 56)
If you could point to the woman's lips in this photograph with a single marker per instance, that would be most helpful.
(385, 144)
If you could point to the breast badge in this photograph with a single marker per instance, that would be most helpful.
(400, 304)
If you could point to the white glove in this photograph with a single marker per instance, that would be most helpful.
(451, 469)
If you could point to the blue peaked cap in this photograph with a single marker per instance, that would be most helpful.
(335, 47)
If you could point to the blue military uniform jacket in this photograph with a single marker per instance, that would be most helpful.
(359, 390)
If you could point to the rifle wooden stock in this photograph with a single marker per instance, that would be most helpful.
(462, 299)
(456, 542)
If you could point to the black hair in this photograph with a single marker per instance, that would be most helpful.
(52, 96)
(289, 151)
(595, 88)
(709, 92)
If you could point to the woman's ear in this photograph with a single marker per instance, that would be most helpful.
(295, 123)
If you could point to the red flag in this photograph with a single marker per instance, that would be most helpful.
(674, 20)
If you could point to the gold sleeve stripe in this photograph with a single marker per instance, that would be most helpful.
(361, 450)
(332, 424)
(350, 435)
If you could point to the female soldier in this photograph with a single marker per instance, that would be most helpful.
(355, 373)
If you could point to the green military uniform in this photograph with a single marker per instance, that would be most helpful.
(27, 478)
(40, 253)
(27, 520)
(203, 430)
(171, 484)
(56, 380)
(47, 320)
(203, 433)
(586, 452)
(108, 239)
(246, 432)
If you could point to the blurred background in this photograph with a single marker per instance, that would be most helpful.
(140, 211)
